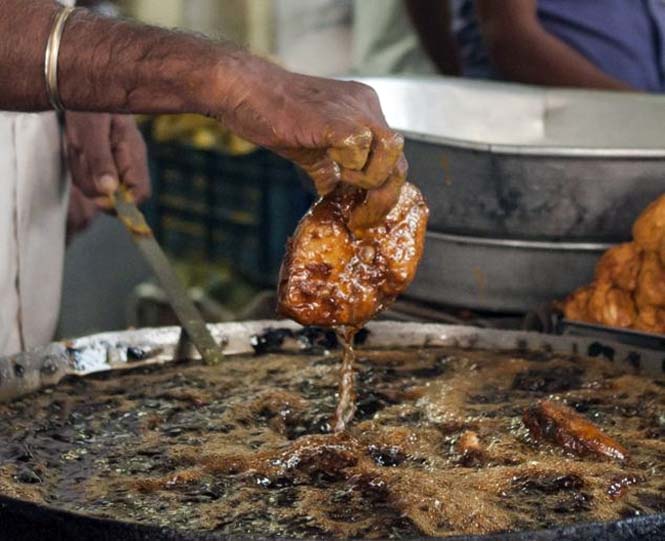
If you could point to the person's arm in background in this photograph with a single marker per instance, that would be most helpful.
(523, 51)
(432, 21)
(335, 130)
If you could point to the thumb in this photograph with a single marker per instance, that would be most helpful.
(104, 173)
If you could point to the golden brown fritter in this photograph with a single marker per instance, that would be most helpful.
(651, 282)
(576, 305)
(556, 422)
(649, 229)
(629, 284)
(611, 306)
(620, 266)
(333, 276)
(651, 319)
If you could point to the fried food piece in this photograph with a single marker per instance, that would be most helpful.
(608, 299)
(471, 450)
(609, 305)
(620, 266)
(620, 483)
(651, 319)
(651, 282)
(629, 285)
(565, 427)
(576, 305)
(333, 276)
(649, 229)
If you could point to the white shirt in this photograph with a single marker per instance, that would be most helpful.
(385, 41)
(33, 212)
(33, 209)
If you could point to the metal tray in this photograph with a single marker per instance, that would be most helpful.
(28, 372)
(511, 161)
(503, 275)
(624, 336)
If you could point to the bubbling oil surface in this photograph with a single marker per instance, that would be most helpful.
(437, 445)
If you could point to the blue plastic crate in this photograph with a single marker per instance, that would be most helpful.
(236, 209)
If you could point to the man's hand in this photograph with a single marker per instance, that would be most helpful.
(80, 214)
(105, 151)
(334, 130)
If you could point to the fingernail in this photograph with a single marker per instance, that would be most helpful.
(107, 184)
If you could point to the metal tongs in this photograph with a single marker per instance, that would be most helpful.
(193, 324)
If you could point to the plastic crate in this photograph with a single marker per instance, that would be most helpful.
(217, 207)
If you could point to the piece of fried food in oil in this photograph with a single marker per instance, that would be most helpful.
(332, 276)
(563, 426)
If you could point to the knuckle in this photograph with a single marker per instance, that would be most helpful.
(87, 188)
(398, 141)
(402, 168)
(364, 91)
(363, 137)
(393, 141)
(370, 182)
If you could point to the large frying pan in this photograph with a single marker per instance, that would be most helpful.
(28, 372)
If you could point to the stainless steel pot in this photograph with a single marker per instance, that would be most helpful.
(511, 161)
(503, 275)
(526, 185)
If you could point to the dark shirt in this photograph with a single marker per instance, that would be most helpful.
(623, 38)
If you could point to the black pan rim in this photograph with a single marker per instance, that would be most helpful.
(82, 527)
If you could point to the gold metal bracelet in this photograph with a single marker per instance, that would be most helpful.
(51, 58)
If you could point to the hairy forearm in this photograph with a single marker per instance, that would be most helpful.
(432, 21)
(110, 65)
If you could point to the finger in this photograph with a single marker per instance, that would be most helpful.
(351, 151)
(387, 147)
(81, 174)
(379, 202)
(130, 154)
(82, 211)
(89, 146)
(324, 172)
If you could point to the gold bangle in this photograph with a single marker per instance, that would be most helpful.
(51, 58)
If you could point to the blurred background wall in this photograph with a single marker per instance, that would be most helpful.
(313, 36)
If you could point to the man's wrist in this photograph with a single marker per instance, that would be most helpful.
(233, 75)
